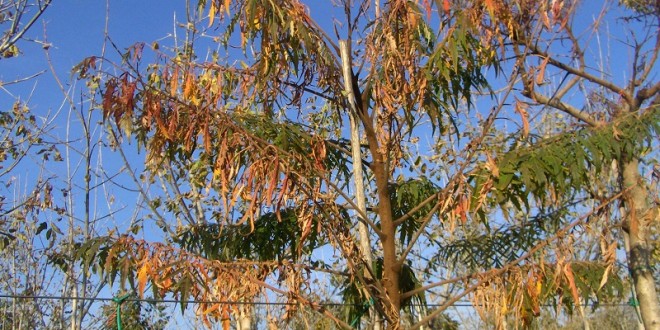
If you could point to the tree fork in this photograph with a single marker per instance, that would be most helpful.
(391, 266)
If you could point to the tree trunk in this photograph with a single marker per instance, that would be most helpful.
(391, 266)
(637, 224)
(244, 317)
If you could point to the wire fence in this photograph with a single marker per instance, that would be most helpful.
(262, 303)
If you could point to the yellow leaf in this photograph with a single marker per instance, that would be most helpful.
(603, 280)
(212, 11)
(491, 165)
(142, 278)
(227, 2)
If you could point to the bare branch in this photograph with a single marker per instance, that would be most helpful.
(16, 32)
(582, 73)
(564, 107)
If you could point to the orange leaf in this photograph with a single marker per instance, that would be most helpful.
(142, 278)
(427, 8)
(465, 207)
(212, 309)
(174, 82)
(490, 6)
(568, 272)
(227, 2)
(109, 99)
(188, 87)
(445, 6)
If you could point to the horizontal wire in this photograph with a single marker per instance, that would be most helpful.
(228, 302)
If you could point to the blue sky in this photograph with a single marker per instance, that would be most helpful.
(75, 29)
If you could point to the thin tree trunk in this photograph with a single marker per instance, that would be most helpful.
(585, 320)
(637, 223)
(626, 242)
(244, 317)
(358, 178)
(74, 307)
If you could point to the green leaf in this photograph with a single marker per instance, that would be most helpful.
(42, 227)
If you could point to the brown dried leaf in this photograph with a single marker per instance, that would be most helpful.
(540, 77)
(556, 7)
(546, 20)
(521, 108)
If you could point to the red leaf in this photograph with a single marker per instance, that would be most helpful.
(446, 6)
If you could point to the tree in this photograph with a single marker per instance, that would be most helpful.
(23, 199)
(490, 210)
(608, 104)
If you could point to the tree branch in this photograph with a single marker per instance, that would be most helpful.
(646, 93)
(583, 74)
(15, 34)
(564, 107)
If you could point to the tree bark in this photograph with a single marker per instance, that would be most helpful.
(391, 266)
(244, 317)
(637, 222)
(387, 234)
